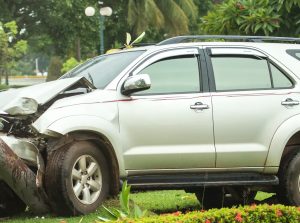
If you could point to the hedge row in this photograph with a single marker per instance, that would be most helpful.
(247, 214)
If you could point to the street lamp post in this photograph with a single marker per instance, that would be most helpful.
(104, 11)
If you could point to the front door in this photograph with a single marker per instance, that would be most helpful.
(170, 125)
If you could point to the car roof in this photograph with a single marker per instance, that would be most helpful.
(262, 42)
(275, 47)
(276, 51)
(259, 45)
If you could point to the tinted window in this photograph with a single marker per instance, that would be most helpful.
(294, 53)
(241, 73)
(103, 69)
(173, 75)
(279, 79)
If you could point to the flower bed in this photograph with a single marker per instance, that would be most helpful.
(247, 214)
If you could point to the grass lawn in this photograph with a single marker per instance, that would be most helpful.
(3, 87)
(155, 202)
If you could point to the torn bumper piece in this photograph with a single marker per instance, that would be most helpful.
(18, 176)
(22, 148)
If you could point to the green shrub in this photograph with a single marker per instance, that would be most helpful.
(247, 214)
(69, 64)
(114, 214)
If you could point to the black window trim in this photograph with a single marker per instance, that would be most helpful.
(212, 83)
(270, 74)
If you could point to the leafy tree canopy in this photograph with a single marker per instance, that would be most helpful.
(250, 17)
(173, 16)
(11, 48)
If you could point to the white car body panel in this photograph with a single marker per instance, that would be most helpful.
(81, 113)
(282, 135)
(245, 123)
(186, 140)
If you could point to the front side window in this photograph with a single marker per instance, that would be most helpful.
(247, 73)
(178, 74)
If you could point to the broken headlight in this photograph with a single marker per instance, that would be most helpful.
(22, 106)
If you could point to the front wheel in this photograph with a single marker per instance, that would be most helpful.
(77, 179)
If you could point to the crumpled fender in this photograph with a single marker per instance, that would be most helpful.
(88, 123)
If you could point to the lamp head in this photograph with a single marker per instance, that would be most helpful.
(106, 11)
(89, 11)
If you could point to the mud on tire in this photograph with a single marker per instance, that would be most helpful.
(76, 179)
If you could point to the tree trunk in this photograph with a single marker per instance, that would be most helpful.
(1, 73)
(6, 77)
(78, 49)
(22, 180)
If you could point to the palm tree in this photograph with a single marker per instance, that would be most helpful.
(173, 16)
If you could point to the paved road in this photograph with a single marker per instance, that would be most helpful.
(25, 81)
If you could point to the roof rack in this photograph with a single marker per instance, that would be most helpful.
(185, 39)
(138, 45)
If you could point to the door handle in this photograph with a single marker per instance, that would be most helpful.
(199, 106)
(290, 102)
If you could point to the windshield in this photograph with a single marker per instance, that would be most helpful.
(103, 69)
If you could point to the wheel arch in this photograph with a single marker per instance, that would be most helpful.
(291, 149)
(285, 142)
(103, 143)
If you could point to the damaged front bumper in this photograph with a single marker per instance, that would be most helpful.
(15, 157)
(23, 148)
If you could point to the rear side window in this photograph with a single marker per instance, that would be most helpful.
(247, 73)
(294, 53)
(279, 79)
(241, 73)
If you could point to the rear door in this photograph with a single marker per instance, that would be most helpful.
(251, 97)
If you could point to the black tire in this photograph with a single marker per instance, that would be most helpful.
(289, 178)
(10, 203)
(218, 197)
(60, 184)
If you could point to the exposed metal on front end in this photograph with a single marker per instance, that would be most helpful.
(22, 148)
(22, 180)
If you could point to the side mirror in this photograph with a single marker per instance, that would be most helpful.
(139, 82)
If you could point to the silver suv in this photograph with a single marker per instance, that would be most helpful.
(220, 118)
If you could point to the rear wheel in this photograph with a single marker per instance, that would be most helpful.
(10, 203)
(289, 187)
(77, 179)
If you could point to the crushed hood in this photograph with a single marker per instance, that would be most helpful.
(24, 101)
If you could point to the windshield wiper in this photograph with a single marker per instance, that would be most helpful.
(90, 77)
